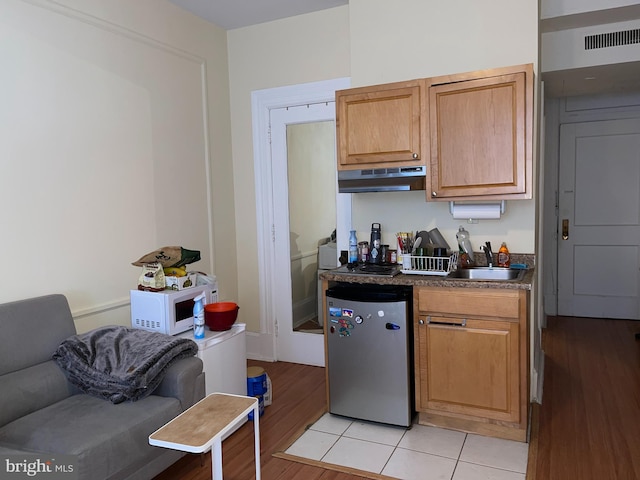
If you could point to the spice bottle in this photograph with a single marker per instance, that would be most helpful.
(504, 259)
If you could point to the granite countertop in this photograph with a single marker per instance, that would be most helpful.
(442, 281)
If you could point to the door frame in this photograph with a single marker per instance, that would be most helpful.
(262, 101)
(295, 346)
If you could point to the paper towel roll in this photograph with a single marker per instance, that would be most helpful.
(480, 211)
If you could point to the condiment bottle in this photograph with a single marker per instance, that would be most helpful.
(363, 252)
(464, 244)
(504, 259)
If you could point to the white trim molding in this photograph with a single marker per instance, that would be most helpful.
(263, 346)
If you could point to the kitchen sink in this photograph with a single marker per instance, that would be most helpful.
(499, 274)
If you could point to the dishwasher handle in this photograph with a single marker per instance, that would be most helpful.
(453, 323)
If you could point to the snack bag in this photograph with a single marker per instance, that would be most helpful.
(169, 257)
(152, 277)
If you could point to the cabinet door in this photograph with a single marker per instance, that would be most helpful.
(480, 135)
(379, 126)
(470, 367)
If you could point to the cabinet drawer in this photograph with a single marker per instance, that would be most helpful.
(475, 302)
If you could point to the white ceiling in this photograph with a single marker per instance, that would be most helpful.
(230, 14)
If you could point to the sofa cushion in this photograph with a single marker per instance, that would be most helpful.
(106, 438)
(31, 389)
(32, 329)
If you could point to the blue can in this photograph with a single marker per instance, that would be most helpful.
(256, 381)
(256, 387)
(260, 407)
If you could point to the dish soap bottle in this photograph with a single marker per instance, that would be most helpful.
(504, 260)
(464, 245)
(198, 316)
(353, 247)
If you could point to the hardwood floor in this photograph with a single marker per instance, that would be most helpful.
(310, 325)
(589, 420)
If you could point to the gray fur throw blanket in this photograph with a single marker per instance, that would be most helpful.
(119, 363)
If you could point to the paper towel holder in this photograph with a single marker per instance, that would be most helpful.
(474, 211)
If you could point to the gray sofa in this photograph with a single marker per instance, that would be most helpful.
(42, 413)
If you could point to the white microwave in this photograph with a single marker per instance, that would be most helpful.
(169, 311)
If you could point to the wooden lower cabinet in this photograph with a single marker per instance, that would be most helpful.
(471, 359)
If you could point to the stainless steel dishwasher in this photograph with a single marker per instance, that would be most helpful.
(369, 352)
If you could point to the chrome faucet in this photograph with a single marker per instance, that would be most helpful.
(486, 248)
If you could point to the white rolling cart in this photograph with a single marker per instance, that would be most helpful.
(224, 358)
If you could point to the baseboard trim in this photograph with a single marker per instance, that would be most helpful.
(470, 426)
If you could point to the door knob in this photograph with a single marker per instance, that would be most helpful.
(565, 229)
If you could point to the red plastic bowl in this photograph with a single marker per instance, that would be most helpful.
(220, 316)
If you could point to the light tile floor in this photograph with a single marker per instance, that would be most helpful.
(420, 453)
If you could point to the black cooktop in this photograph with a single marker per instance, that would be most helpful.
(369, 269)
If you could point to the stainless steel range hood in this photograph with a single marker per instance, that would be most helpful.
(382, 179)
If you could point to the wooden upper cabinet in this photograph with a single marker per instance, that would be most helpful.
(379, 126)
(479, 133)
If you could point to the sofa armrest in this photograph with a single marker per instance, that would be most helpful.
(184, 380)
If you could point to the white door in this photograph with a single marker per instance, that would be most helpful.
(301, 219)
(599, 217)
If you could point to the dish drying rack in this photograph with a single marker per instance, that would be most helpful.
(417, 265)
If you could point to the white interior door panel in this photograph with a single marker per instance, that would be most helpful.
(599, 215)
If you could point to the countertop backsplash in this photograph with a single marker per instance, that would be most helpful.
(528, 259)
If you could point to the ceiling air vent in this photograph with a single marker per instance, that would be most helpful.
(613, 39)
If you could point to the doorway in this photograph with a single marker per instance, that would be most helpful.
(591, 192)
(599, 215)
(274, 254)
(303, 158)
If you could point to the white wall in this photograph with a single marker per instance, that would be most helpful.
(112, 111)
(429, 38)
(565, 49)
(407, 39)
